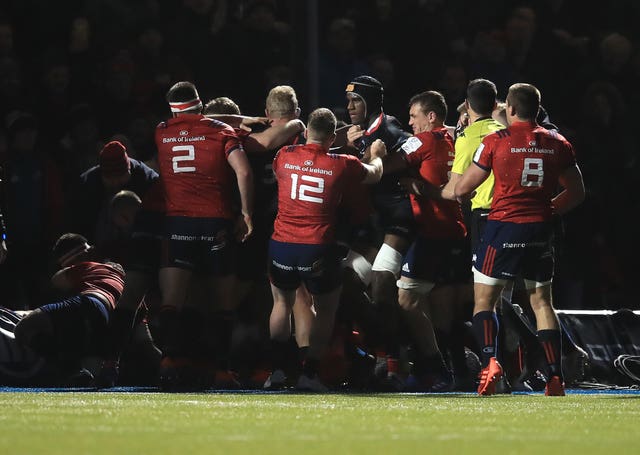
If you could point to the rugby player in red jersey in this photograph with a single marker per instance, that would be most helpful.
(201, 163)
(439, 254)
(311, 183)
(529, 163)
(67, 331)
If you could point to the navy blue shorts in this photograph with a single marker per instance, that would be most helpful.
(252, 261)
(199, 244)
(510, 250)
(439, 261)
(477, 224)
(395, 215)
(146, 242)
(317, 266)
(79, 324)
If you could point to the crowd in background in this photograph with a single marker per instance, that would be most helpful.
(78, 74)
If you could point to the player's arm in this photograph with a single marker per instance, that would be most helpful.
(354, 132)
(273, 137)
(573, 192)
(341, 143)
(341, 136)
(469, 181)
(246, 122)
(240, 164)
(420, 187)
(447, 191)
(375, 168)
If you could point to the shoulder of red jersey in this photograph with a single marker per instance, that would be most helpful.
(214, 123)
(497, 135)
(343, 156)
(289, 148)
(553, 133)
(414, 143)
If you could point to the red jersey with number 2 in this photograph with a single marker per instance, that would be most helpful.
(526, 160)
(311, 184)
(198, 181)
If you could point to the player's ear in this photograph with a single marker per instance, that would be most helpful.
(297, 112)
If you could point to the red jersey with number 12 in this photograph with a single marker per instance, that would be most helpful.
(311, 183)
(527, 160)
(192, 157)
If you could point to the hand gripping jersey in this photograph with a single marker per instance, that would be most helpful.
(387, 129)
(526, 160)
(192, 156)
(311, 183)
(432, 154)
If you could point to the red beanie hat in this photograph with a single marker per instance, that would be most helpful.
(113, 158)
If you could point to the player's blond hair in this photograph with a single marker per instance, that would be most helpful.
(282, 101)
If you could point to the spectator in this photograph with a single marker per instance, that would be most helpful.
(96, 186)
(34, 209)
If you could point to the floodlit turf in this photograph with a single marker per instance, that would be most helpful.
(260, 424)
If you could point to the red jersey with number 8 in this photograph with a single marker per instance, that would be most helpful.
(311, 183)
(533, 154)
(198, 181)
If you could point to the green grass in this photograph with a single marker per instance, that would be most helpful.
(156, 423)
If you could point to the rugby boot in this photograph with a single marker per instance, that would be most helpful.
(176, 374)
(392, 382)
(555, 387)
(108, 375)
(442, 382)
(277, 380)
(311, 384)
(227, 379)
(430, 382)
(489, 377)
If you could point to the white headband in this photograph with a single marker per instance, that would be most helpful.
(185, 105)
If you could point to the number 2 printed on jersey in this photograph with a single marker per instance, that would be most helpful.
(301, 192)
(178, 165)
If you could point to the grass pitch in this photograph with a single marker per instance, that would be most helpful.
(260, 424)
